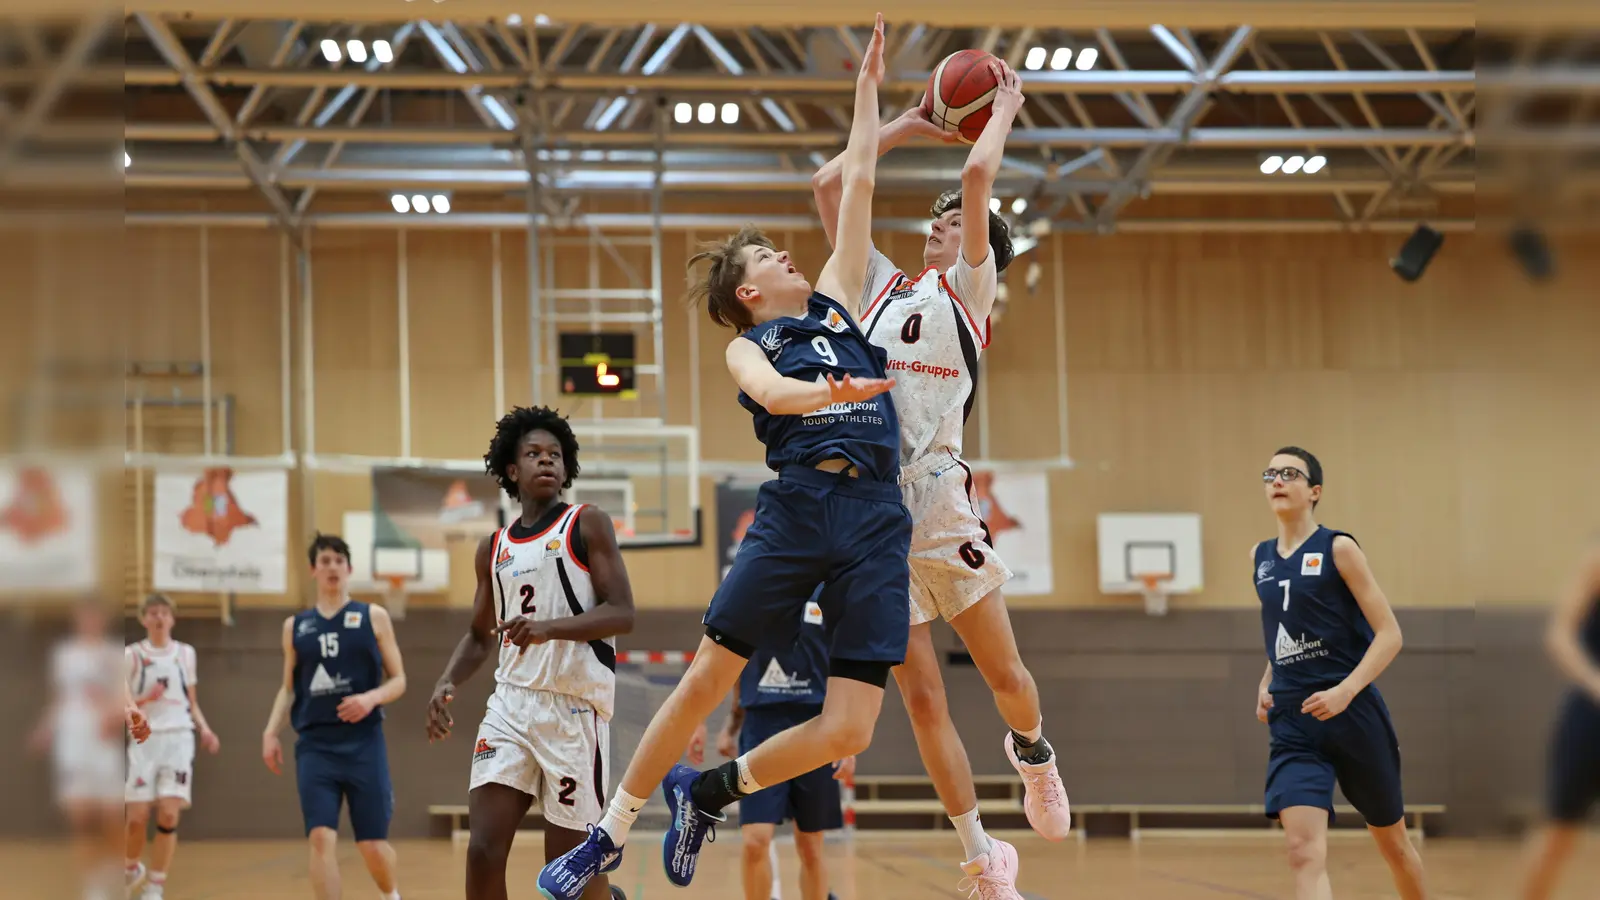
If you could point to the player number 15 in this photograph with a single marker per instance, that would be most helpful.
(330, 644)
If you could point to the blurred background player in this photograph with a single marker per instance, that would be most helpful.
(341, 666)
(778, 691)
(553, 594)
(163, 676)
(833, 516)
(933, 328)
(1329, 634)
(82, 729)
(1573, 639)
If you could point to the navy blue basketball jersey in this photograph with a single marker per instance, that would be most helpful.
(795, 675)
(1589, 635)
(827, 341)
(333, 659)
(1315, 632)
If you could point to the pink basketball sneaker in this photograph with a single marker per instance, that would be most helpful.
(1046, 798)
(992, 876)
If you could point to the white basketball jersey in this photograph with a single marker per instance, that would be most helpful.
(173, 667)
(933, 339)
(84, 675)
(540, 577)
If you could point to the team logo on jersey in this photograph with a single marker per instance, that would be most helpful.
(483, 751)
(504, 559)
(1288, 650)
(834, 321)
(903, 288)
(1264, 572)
(813, 615)
(773, 342)
(552, 548)
(323, 684)
(352, 619)
(776, 679)
(1311, 564)
(305, 627)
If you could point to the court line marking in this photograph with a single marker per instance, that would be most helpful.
(1208, 885)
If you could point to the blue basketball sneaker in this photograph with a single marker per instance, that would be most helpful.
(680, 848)
(565, 877)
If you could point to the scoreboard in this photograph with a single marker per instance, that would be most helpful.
(598, 364)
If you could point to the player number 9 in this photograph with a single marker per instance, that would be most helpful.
(824, 350)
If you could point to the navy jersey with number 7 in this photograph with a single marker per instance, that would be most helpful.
(826, 341)
(1315, 631)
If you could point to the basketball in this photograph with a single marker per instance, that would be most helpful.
(959, 93)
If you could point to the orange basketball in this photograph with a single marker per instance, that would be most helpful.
(960, 92)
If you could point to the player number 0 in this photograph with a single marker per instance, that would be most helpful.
(971, 555)
(330, 644)
(1285, 585)
(824, 350)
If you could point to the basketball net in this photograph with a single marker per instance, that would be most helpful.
(394, 599)
(1155, 594)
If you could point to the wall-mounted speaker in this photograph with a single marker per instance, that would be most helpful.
(1418, 251)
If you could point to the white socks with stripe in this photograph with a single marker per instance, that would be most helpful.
(973, 841)
(621, 813)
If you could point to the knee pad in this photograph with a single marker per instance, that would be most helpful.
(165, 830)
(870, 672)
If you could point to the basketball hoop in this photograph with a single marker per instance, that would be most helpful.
(1155, 593)
(394, 599)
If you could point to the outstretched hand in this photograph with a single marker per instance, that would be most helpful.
(854, 390)
(915, 122)
(872, 59)
(1008, 96)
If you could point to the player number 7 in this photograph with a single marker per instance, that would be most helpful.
(1285, 585)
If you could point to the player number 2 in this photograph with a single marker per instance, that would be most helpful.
(1285, 585)
(330, 644)
(527, 600)
(824, 350)
(568, 786)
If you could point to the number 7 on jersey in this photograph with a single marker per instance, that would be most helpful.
(1285, 585)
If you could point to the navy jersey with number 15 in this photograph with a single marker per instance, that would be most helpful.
(1315, 631)
(335, 657)
(826, 341)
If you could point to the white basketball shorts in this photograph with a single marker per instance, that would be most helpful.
(88, 767)
(161, 767)
(952, 564)
(553, 747)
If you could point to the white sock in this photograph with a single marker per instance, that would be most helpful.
(620, 816)
(973, 841)
(156, 881)
(1035, 733)
(392, 895)
(747, 784)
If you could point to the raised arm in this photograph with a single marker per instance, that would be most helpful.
(474, 647)
(846, 270)
(1386, 641)
(612, 615)
(983, 165)
(827, 184)
(784, 396)
(1562, 636)
(271, 749)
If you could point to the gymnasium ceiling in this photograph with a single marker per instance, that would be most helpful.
(217, 104)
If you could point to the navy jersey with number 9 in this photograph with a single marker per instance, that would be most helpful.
(1315, 631)
(826, 342)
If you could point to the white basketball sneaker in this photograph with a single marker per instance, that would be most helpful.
(993, 875)
(1045, 799)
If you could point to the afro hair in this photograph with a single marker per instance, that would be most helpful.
(508, 435)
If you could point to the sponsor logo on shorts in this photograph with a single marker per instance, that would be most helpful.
(922, 368)
(483, 751)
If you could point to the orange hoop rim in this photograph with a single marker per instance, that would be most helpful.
(1152, 583)
(396, 582)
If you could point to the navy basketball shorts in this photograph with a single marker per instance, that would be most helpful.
(353, 771)
(812, 801)
(813, 528)
(1574, 780)
(1357, 750)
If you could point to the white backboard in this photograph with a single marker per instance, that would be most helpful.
(426, 571)
(1134, 544)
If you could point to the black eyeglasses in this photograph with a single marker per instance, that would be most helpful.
(1289, 474)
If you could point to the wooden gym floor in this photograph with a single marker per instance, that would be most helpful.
(874, 867)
